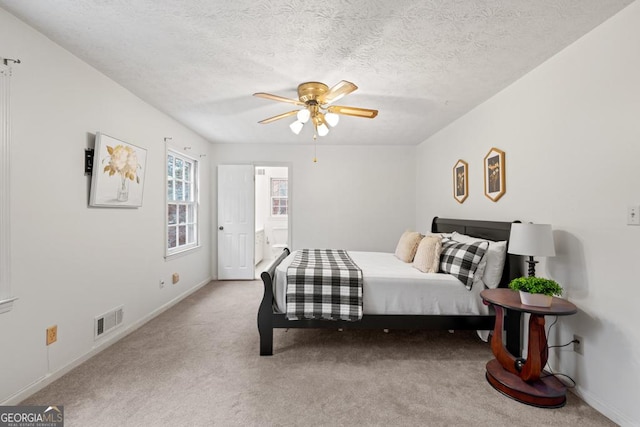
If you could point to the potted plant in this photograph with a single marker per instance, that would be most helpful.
(536, 291)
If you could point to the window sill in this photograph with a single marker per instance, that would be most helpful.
(181, 253)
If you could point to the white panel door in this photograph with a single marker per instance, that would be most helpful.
(236, 228)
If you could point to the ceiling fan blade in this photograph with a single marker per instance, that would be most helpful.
(338, 91)
(278, 117)
(353, 111)
(278, 98)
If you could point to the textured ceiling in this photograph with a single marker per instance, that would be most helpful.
(421, 63)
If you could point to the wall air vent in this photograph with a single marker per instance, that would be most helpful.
(107, 322)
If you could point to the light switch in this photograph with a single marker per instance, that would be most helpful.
(633, 215)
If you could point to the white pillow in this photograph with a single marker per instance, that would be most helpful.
(493, 261)
(442, 235)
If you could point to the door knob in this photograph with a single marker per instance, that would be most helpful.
(221, 228)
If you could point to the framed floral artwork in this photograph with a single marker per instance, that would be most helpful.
(118, 173)
(494, 174)
(461, 181)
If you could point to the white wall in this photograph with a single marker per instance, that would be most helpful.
(71, 262)
(354, 197)
(571, 134)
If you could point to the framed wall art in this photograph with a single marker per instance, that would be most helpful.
(461, 181)
(494, 174)
(118, 173)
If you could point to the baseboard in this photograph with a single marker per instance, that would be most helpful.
(604, 408)
(108, 341)
(590, 399)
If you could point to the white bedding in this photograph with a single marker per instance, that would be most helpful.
(391, 286)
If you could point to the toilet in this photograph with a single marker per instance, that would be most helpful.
(279, 240)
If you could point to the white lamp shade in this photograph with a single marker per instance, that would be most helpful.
(296, 127)
(323, 130)
(332, 119)
(531, 240)
(303, 115)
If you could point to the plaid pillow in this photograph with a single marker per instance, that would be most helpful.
(462, 259)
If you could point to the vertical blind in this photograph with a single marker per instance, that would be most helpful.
(6, 297)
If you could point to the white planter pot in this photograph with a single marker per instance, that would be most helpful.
(536, 300)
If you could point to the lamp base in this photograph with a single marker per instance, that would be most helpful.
(532, 266)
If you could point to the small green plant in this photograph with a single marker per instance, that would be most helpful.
(536, 285)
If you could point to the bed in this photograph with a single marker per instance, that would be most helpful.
(389, 297)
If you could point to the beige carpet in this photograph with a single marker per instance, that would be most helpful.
(197, 364)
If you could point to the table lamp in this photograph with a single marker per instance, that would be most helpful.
(531, 240)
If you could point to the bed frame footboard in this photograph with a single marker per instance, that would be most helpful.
(266, 311)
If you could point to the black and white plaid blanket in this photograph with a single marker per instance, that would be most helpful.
(324, 284)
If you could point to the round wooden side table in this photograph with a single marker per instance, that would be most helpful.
(520, 379)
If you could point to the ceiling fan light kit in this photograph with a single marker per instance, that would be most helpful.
(316, 98)
(332, 119)
(303, 116)
(296, 127)
(323, 129)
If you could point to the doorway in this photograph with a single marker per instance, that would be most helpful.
(272, 214)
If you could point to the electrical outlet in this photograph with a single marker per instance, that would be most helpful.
(175, 278)
(52, 334)
(578, 343)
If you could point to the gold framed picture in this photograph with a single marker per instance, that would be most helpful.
(461, 181)
(494, 174)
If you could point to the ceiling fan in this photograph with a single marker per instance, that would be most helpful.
(317, 99)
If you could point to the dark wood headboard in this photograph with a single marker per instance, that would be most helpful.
(490, 230)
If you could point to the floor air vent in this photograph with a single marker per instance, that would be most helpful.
(107, 322)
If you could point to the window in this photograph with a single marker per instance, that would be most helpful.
(182, 203)
(279, 197)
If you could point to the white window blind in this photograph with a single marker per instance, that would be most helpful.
(6, 297)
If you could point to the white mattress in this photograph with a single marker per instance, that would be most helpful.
(391, 286)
